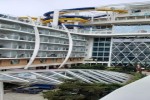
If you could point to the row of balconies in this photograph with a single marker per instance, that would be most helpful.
(42, 40)
(78, 49)
(14, 54)
(52, 54)
(77, 54)
(14, 18)
(78, 43)
(17, 46)
(53, 33)
(48, 48)
(93, 31)
(29, 54)
(53, 40)
(77, 37)
(25, 54)
(123, 18)
(15, 36)
(17, 27)
(30, 47)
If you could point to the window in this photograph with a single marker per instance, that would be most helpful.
(102, 39)
(101, 44)
(107, 39)
(28, 61)
(106, 59)
(107, 44)
(15, 61)
(95, 44)
(95, 49)
(101, 48)
(100, 54)
(43, 60)
(106, 54)
(94, 54)
(96, 39)
(100, 59)
(106, 49)
(54, 60)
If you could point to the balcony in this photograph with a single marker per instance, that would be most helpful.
(98, 31)
(14, 18)
(16, 27)
(16, 37)
(122, 19)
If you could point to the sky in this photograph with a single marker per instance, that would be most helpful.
(39, 7)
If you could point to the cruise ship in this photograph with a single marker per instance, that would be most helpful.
(42, 49)
(114, 35)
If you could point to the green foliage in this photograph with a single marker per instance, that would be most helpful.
(75, 90)
(136, 76)
(124, 69)
(147, 68)
(88, 66)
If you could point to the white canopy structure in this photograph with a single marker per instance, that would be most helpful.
(56, 76)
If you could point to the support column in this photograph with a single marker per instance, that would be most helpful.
(47, 67)
(110, 52)
(76, 28)
(70, 47)
(1, 91)
(37, 44)
(89, 47)
(76, 23)
(55, 18)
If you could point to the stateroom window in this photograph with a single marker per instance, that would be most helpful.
(15, 61)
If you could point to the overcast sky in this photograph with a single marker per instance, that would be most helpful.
(39, 7)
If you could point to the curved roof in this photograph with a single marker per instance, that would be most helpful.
(56, 76)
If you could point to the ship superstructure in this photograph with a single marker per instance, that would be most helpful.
(117, 35)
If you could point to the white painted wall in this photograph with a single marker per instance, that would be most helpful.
(55, 18)
(89, 47)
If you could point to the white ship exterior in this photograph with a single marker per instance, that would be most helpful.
(118, 35)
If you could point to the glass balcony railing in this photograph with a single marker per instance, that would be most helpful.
(14, 18)
(92, 32)
(17, 37)
(132, 29)
(14, 54)
(122, 18)
(17, 27)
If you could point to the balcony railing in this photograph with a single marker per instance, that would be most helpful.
(123, 18)
(16, 27)
(14, 18)
(92, 31)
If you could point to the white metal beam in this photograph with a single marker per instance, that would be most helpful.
(45, 77)
(37, 44)
(98, 75)
(17, 79)
(70, 46)
(106, 77)
(78, 76)
(57, 73)
(90, 75)
(1, 91)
